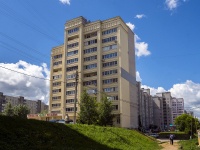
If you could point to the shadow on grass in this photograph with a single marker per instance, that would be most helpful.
(23, 134)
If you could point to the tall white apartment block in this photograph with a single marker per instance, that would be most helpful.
(177, 107)
(103, 54)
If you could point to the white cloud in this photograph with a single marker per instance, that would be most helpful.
(16, 84)
(138, 78)
(141, 48)
(171, 4)
(131, 26)
(153, 90)
(65, 1)
(140, 16)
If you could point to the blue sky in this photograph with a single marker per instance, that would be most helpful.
(167, 42)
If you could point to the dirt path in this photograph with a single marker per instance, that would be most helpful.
(168, 146)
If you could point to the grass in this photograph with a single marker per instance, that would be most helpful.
(16, 133)
(190, 144)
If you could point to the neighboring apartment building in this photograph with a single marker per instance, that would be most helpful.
(145, 107)
(166, 109)
(35, 106)
(103, 54)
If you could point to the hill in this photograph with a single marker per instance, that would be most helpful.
(16, 133)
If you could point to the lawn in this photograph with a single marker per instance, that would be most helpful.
(23, 134)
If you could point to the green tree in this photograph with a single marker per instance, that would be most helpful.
(186, 123)
(21, 111)
(104, 111)
(88, 109)
(8, 110)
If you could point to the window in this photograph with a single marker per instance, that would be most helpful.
(70, 109)
(114, 38)
(90, 42)
(90, 58)
(118, 120)
(90, 74)
(109, 64)
(111, 98)
(115, 107)
(72, 68)
(91, 66)
(57, 56)
(110, 47)
(109, 72)
(92, 91)
(109, 31)
(71, 84)
(70, 101)
(73, 30)
(71, 61)
(56, 105)
(109, 81)
(55, 98)
(56, 83)
(57, 77)
(57, 63)
(70, 92)
(90, 35)
(90, 50)
(110, 89)
(71, 76)
(72, 45)
(92, 82)
(56, 91)
(111, 55)
(75, 52)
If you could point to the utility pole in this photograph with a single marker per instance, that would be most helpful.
(75, 99)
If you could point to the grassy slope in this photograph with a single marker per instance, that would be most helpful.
(22, 134)
(190, 144)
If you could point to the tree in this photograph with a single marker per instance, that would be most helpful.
(186, 123)
(88, 109)
(8, 110)
(104, 111)
(21, 111)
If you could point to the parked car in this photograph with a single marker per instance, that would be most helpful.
(61, 121)
(155, 135)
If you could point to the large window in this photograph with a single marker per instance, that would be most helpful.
(92, 82)
(56, 105)
(56, 91)
(109, 81)
(90, 35)
(56, 83)
(70, 109)
(55, 98)
(71, 61)
(72, 45)
(110, 89)
(73, 30)
(109, 31)
(110, 47)
(111, 55)
(90, 58)
(57, 56)
(57, 63)
(114, 38)
(57, 77)
(72, 68)
(71, 76)
(70, 92)
(111, 98)
(71, 84)
(75, 52)
(109, 72)
(90, 50)
(91, 66)
(70, 101)
(115, 107)
(90, 42)
(109, 64)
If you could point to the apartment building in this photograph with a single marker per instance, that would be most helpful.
(35, 106)
(145, 107)
(103, 54)
(177, 107)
